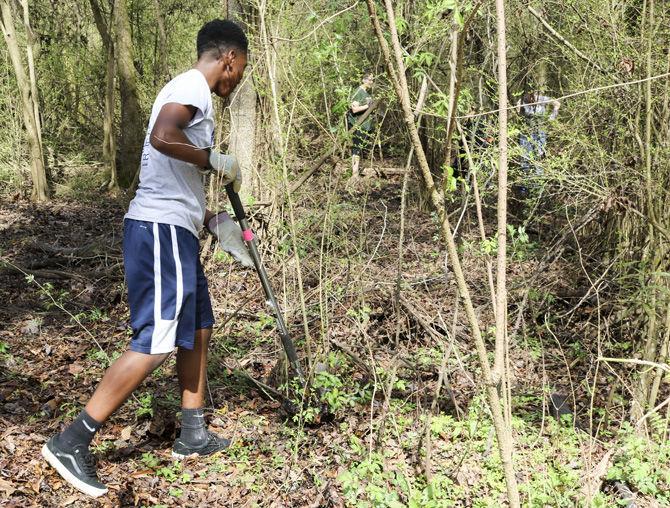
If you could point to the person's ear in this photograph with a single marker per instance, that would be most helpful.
(227, 60)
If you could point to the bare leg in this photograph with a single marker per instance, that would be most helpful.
(192, 370)
(355, 162)
(120, 380)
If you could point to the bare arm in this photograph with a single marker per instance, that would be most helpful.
(167, 135)
(357, 107)
(556, 106)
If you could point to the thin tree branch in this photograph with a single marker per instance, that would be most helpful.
(563, 40)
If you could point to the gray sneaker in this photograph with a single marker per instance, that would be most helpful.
(76, 465)
(214, 444)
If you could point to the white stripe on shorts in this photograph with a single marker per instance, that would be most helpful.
(165, 330)
(177, 267)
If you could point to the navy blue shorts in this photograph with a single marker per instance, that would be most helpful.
(167, 288)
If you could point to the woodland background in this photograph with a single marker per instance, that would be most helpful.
(481, 348)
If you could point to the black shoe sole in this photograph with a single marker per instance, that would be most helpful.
(181, 456)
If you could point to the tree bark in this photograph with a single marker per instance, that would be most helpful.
(501, 270)
(109, 136)
(243, 115)
(132, 120)
(505, 439)
(31, 47)
(276, 136)
(30, 109)
(162, 68)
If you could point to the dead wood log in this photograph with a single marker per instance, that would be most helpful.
(11, 268)
(47, 274)
(92, 248)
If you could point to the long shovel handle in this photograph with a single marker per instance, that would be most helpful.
(250, 240)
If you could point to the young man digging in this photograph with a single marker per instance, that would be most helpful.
(167, 290)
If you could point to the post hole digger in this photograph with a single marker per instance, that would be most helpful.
(306, 396)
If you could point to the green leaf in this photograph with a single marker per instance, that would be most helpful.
(458, 17)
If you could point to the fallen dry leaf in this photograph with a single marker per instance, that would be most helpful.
(9, 445)
(126, 433)
(75, 369)
(50, 407)
(7, 487)
(31, 327)
(69, 500)
(140, 474)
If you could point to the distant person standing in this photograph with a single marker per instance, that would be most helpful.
(534, 108)
(360, 102)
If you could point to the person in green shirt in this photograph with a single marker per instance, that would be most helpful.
(359, 104)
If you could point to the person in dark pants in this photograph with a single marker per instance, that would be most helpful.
(362, 135)
(534, 108)
(168, 297)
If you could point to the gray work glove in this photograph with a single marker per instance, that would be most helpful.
(229, 235)
(227, 168)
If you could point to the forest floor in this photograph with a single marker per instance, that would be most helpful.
(398, 439)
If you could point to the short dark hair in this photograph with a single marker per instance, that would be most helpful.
(221, 35)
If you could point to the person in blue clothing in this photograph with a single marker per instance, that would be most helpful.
(169, 301)
(534, 107)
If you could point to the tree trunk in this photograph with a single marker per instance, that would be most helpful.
(506, 443)
(243, 116)
(271, 64)
(109, 136)
(132, 120)
(162, 73)
(30, 109)
(501, 275)
(31, 46)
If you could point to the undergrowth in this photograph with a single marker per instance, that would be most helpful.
(553, 462)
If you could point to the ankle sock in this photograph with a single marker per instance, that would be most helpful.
(193, 427)
(80, 431)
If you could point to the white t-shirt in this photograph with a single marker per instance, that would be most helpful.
(536, 110)
(171, 191)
